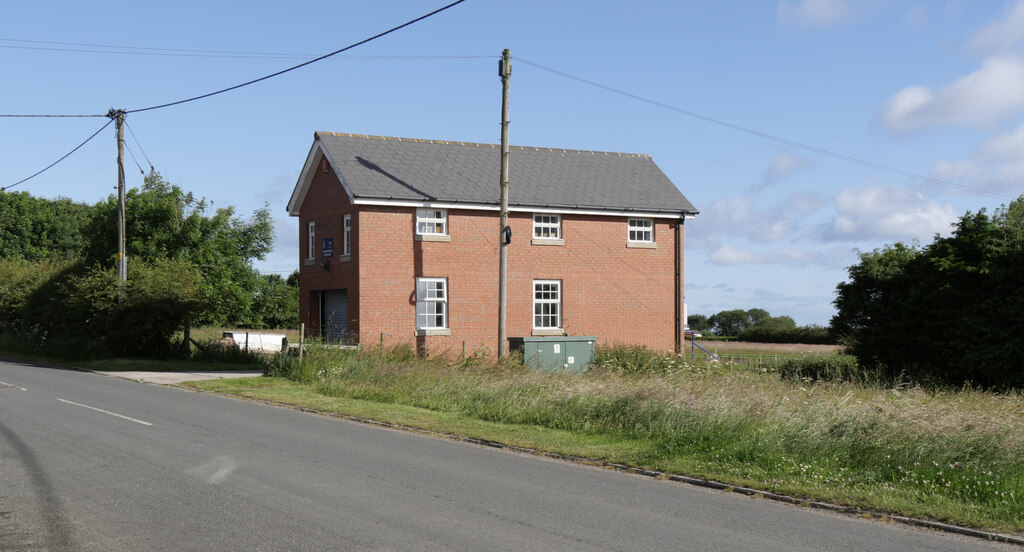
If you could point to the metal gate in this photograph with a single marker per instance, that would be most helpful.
(334, 315)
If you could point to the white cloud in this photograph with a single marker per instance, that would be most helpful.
(783, 165)
(737, 216)
(804, 203)
(1002, 34)
(956, 171)
(997, 165)
(979, 99)
(815, 13)
(887, 212)
(728, 254)
(1005, 147)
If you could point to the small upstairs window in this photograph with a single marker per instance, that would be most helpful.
(346, 235)
(547, 227)
(311, 240)
(641, 230)
(431, 222)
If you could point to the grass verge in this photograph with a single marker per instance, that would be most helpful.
(949, 455)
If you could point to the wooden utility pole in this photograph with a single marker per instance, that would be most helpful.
(505, 235)
(122, 260)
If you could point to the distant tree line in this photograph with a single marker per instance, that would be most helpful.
(951, 311)
(758, 325)
(58, 275)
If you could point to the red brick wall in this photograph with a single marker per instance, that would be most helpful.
(326, 203)
(619, 294)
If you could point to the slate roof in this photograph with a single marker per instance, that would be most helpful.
(375, 167)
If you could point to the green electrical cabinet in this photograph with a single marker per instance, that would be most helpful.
(551, 354)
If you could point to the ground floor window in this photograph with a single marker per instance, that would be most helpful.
(547, 304)
(431, 303)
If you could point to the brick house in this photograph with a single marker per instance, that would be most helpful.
(399, 243)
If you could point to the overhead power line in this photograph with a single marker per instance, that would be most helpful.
(152, 50)
(141, 49)
(137, 143)
(37, 116)
(310, 62)
(137, 164)
(174, 52)
(65, 156)
(772, 137)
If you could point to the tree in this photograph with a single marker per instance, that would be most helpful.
(952, 311)
(732, 322)
(698, 322)
(775, 324)
(757, 316)
(276, 302)
(163, 222)
(38, 229)
(729, 322)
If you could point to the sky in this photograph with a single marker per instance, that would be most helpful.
(804, 131)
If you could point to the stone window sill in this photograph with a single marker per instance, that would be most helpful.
(344, 258)
(641, 245)
(432, 238)
(309, 262)
(551, 332)
(439, 331)
(546, 241)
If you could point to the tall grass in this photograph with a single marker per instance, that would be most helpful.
(950, 454)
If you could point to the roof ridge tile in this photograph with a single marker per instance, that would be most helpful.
(477, 144)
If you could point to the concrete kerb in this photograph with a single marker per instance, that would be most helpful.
(654, 474)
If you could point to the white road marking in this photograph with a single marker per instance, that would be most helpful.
(2, 384)
(216, 470)
(106, 412)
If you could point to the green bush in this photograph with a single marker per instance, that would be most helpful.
(158, 296)
(633, 359)
(70, 310)
(19, 280)
(808, 335)
(827, 368)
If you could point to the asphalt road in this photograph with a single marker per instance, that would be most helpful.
(91, 462)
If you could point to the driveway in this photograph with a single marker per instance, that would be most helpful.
(167, 378)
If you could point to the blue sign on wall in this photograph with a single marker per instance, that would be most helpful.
(328, 248)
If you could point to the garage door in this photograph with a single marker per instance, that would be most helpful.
(334, 315)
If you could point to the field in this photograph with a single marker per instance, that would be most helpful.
(952, 455)
(740, 350)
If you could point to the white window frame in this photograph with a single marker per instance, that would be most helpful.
(546, 223)
(427, 294)
(311, 240)
(431, 222)
(640, 230)
(346, 235)
(552, 319)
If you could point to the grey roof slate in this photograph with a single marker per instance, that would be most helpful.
(376, 167)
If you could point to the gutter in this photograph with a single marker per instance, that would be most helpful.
(686, 212)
